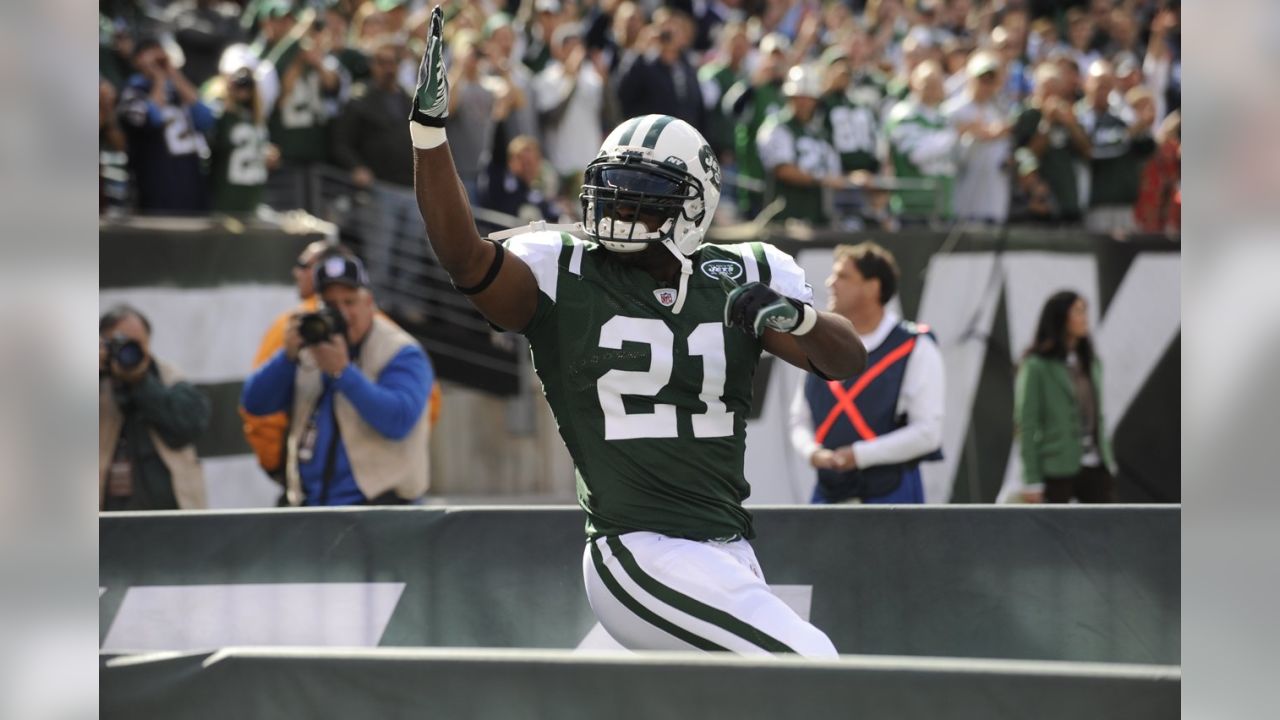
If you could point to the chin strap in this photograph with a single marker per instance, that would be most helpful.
(539, 226)
(686, 270)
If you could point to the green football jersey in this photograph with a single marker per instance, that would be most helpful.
(784, 140)
(855, 131)
(922, 145)
(765, 101)
(238, 170)
(715, 79)
(299, 124)
(651, 405)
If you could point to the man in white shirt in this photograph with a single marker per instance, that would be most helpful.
(982, 177)
(867, 435)
(569, 94)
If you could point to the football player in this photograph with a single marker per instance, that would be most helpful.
(646, 341)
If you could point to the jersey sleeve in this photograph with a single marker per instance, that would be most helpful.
(543, 253)
(785, 276)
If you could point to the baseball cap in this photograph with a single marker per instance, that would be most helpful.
(566, 32)
(340, 269)
(802, 81)
(774, 42)
(495, 23)
(981, 63)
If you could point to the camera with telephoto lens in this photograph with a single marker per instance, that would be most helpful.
(125, 352)
(317, 327)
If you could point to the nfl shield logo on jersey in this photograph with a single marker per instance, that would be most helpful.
(666, 296)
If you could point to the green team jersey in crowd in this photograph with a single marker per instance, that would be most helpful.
(765, 100)
(238, 170)
(922, 145)
(1056, 166)
(651, 405)
(1117, 157)
(867, 87)
(715, 79)
(299, 123)
(854, 128)
(784, 140)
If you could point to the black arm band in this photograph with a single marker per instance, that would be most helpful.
(490, 276)
(423, 119)
(818, 372)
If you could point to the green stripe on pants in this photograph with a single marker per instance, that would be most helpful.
(643, 612)
(692, 607)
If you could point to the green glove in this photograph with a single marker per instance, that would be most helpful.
(755, 307)
(431, 100)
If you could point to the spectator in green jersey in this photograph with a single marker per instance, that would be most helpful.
(716, 77)
(1120, 146)
(922, 147)
(310, 85)
(1050, 144)
(796, 151)
(240, 153)
(748, 103)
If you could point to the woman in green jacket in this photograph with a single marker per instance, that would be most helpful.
(1058, 409)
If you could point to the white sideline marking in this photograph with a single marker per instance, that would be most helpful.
(188, 617)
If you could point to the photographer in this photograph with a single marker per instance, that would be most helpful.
(266, 434)
(147, 422)
(356, 386)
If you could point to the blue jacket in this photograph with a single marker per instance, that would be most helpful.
(391, 404)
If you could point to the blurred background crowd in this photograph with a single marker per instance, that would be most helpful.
(853, 114)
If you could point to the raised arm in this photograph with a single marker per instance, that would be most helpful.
(501, 286)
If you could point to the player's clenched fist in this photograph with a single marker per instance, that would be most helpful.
(431, 99)
(755, 306)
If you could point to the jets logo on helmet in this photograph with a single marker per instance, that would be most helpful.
(651, 184)
(709, 165)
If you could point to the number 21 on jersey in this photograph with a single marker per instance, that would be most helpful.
(706, 340)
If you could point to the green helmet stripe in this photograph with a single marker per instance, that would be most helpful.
(629, 131)
(651, 138)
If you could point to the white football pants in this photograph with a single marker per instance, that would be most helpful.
(653, 592)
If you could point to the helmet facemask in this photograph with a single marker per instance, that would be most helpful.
(623, 196)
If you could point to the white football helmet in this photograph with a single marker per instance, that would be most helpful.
(655, 168)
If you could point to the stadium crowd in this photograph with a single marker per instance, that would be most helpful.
(845, 113)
